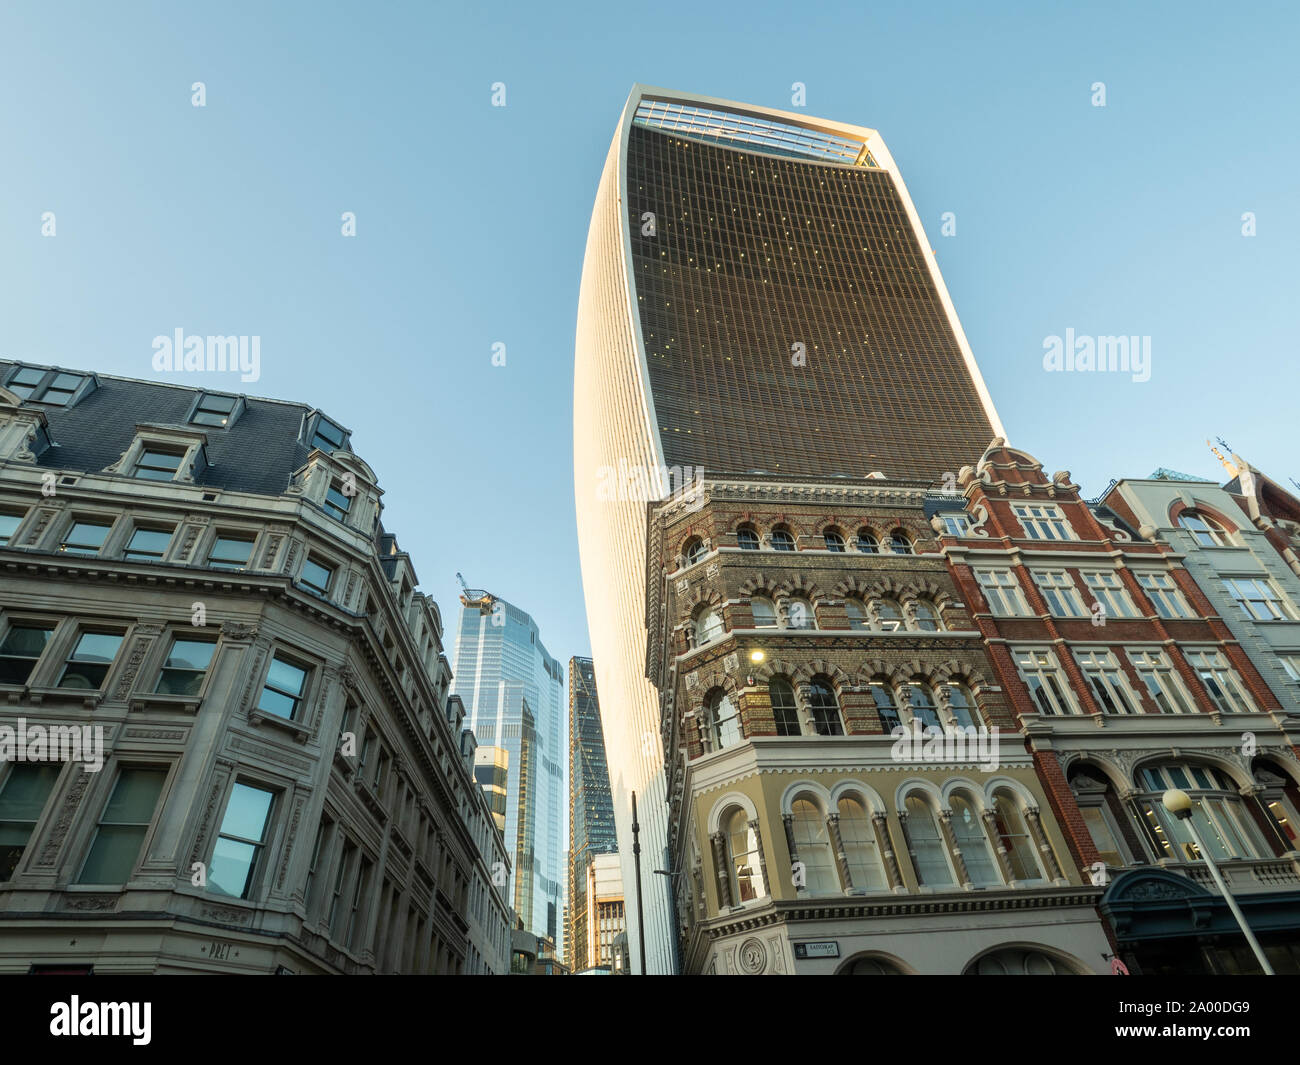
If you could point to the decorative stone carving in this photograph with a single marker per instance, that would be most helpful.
(237, 630)
(751, 957)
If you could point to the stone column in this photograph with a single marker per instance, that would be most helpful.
(788, 821)
(1050, 864)
(720, 869)
(762, 858)
(833, 826)
(881, 825)
(802, 702)
(945, 826)
(1004, 859)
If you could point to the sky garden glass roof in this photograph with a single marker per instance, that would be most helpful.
(733, 130)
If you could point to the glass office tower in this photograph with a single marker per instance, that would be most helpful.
(513, 692)
(758, 296)
(591, 808)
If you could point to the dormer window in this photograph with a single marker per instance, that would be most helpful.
(337, 502)
(326, 436)
(46, 386)
(157, 464)
(213, 408)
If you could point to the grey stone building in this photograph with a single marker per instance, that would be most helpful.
(200, 581)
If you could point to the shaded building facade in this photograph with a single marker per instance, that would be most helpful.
(201, 578)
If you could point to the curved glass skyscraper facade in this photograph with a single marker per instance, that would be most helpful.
(758, 295)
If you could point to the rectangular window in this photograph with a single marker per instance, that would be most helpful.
(148, 545)
(91, 660)
(59, 391)
(1161, 681)
(214, 409)
(122, 827)
(1226, 691)
(1062, 598)
(328, 437)
(24, 382)
(956, 524)
(342, 876)
(85, 537)
(1109, 591)
(20, 650)
(1107, 681)
(9, 523)
(240, 841)
(319, 854)
(355, 925)
(1291, 664)
(22, 800)
(282, 693)
(1045, 680)
(338, 502)
(158, 464)
(1163, 592)
(316, 576)
(1103, 836)
(1002, 591)
(1042, 521)
(230, 551)
(1258, 599)
(186, 667)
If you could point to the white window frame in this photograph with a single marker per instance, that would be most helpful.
(1165, 595)
(1043, 521)
(1002, 591)
(1154, 666)
(1058, 591)
(1108, 683)
(1058, 692)
(957, 523)
(1108, 589)
(1258, 596)
(1226, 679)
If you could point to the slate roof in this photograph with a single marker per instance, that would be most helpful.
(258, 453)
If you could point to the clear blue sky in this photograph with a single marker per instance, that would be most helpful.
(472, 220)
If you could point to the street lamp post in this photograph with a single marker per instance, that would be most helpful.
(1179, 803)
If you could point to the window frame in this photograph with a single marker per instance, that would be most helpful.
(1049, 526)
(1002, 592)
(1059, 693)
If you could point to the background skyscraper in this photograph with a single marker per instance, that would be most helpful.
(591, 808)
(758, 295)
(513, 692)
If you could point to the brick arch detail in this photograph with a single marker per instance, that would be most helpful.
(1178, 507)
(760, 584)
(801, 585)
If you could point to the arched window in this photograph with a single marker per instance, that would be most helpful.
(813, 844)
(764, 612)
(870, 967)
(867, 542)
(889, 614)
(972, 841)
(1013, 834)
(900, 543)
(1205, 530)
(694, 550)
(825, 711)
(1220, 816)
(929, 851)
(921, 703)
(723, 719)
(801, 614)
(708, 626)
(927, 617)
(860, 847)
(964, 711)
(834, 540)
(1013, 962)
(785, 711)
(743, 864)
(856, 611)
(782, 539)
(882, 694)
(747, 538)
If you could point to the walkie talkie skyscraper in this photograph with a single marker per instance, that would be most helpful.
(758, 296)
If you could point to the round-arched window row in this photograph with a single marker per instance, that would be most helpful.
(888, 615)
(866, 541)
